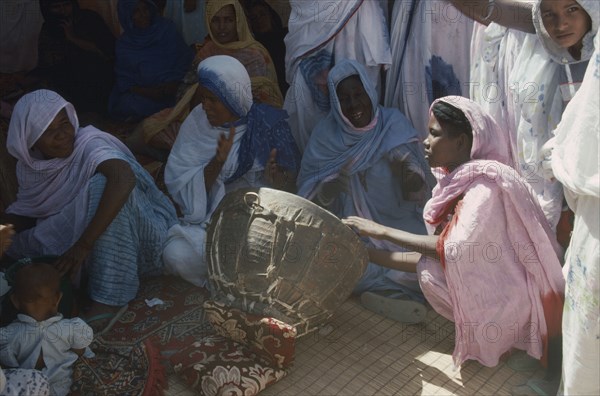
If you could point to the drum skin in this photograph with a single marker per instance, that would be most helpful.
(276, 254)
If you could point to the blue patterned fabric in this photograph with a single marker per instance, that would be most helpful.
(314, 70)
(24, 382)
(267, 129)
(441, 79)
(132, 244)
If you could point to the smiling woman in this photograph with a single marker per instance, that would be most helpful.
(354, 101)
(366, 160)
(59, 139)
(83, 196)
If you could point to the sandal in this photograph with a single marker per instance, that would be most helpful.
(401, 309)
(112, 318)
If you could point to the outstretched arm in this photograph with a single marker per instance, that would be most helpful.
(424, 244)
(514, 14)
(401, 261)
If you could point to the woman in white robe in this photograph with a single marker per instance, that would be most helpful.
(227, 142)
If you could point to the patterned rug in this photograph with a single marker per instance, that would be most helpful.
(185, 333)
(170, 325)
(132, 357)
(134, 370)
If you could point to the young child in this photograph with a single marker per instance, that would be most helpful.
(40, 338)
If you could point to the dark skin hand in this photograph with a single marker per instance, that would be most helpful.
(330, 190)
(277, 176)
(166, 139)
(6, 233)
(212, 170)
(120, 181)
(410, 181)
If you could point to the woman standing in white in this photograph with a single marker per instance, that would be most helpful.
(575, 164)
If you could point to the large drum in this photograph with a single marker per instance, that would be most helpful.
(276, 254)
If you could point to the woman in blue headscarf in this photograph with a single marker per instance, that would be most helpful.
(227, 142)
(151, 60)
(366, 160)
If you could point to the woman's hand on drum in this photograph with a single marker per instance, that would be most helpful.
(365, 227)
(70, 262)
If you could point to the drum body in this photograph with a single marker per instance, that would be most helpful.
(276, 254)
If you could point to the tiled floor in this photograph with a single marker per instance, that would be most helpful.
(362, 353)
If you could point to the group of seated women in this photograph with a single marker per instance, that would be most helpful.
(477, 247)
(447, 221)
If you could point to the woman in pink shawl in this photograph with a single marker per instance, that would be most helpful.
(490, 263)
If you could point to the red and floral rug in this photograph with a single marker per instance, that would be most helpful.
(186, 333)
(130, 358)
(172, 325)
(120, 370)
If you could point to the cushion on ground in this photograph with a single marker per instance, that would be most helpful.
(272, 340)
(216, 365)
(247, 354)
